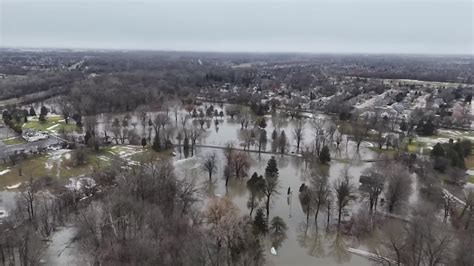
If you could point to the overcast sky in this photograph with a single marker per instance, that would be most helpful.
(319, 26)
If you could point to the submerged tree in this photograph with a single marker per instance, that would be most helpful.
(298, 134)
(256, 186)
(325, 156)
(260, 224)
(320, 190)
(344, 193)
(210, 164)
(398, 186)
(277, 231)
(271, 182)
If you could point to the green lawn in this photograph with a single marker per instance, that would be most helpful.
(61, 164)
(13, 141)
(390, 151)
(471, 179)
(53, 124)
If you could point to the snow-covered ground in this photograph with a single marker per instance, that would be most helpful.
(78, 183)
(420, 102)
(17, 185)
(4, 172)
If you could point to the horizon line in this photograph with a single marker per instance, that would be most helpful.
(97, 49)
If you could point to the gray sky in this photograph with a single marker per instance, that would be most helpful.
(320, 26)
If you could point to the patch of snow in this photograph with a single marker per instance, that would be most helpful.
(369, 144)
(52, 127)
(104, 158)
(449, 194)
(77, 183)
(3, 214)
(4, 171)
(48, 165)
(14, 186)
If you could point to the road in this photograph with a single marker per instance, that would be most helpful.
(278, 153)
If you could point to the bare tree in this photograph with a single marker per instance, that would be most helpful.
(372, 185)
(194, 134)
(28, 195)
(468, 209)
(344, 193)
(241, 163)
(392, 242)
(210, 164)
(320, 189)
(65, 108)
(360, 128)
(398, 185)
(262, 140)
(318, 126)
(298, 133)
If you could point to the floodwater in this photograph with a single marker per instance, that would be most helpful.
(304, 244)
(316, 247)
(62, 250)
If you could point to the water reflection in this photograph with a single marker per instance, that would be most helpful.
(338, 248)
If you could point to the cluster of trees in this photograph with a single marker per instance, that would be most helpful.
(263, 188)
(143, 216)
(43, 205)
(48, 83)
(321, 195)
(423, 241)
(237, 163)
(451, 154)
(279, 142)
(15, 117)
(325, 134)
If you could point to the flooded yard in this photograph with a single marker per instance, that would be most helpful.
(305, 245)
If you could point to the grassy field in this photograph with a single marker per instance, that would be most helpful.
(61, 164)
(471, 179)
(53, 124)
(13, 141)
(391, 152)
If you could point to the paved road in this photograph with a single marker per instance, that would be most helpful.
(277, 153)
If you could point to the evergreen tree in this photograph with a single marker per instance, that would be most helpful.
(274, 135)
(277, 231)
(87, 137)
(256, 186)
(271, 171)
(271, 182)
(282, 142)
(260, 225)
(32, 111)
(403, 126)
(325, 156)
(438, 150)
(44, 111)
